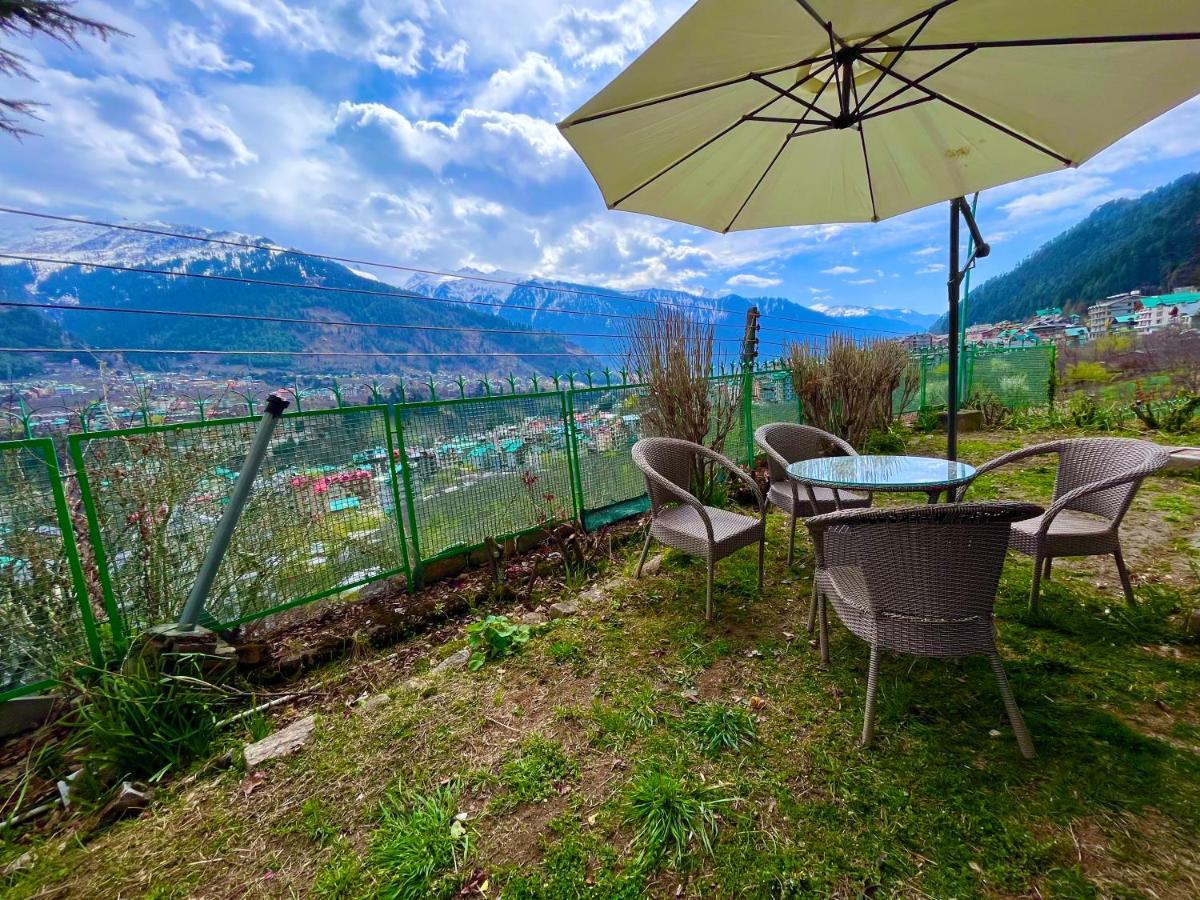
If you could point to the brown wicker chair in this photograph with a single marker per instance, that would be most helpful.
(1096, 481)
(680, 521)
(785, 443)
(918, 580)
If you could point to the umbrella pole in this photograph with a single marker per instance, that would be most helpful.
(960, 210)
(952, 375)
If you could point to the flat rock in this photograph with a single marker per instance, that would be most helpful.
(653, 564)
(281, 743)
(456, 660)
(374, 702)
(532, 618)
(1192, 625)
(562, 610)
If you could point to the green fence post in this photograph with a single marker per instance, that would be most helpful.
(924, 378)
(414, 582)
(391, 468)
(747, 412)
(63, 513)
(96, 537)
(573, 473)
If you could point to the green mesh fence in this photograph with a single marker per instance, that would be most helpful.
(321, 519)
(46, 626)
(1018, 376)
(607, 423)
(725, 391)
(481, 468)
(772, 399)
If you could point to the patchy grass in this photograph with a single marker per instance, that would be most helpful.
(635, 750)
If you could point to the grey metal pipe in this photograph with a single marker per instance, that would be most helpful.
(233, 511)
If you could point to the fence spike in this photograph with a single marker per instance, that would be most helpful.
(624, 376)
(588, 376)
(571, 379)
(512, 382)
(556, 377)
(533, 380)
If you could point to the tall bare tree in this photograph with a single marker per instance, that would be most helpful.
(26, 19)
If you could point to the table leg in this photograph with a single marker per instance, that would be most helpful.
(933, 496)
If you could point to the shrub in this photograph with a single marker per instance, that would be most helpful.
(1088, 372)
(927, 421)
(991, 408)
(674, 353)
(155, 715)
(1173, 415)
(847, 390)
(890, 440)
(495, 638)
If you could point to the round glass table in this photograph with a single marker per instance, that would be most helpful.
(900, 474)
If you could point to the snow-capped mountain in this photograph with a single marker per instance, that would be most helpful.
(919, 320)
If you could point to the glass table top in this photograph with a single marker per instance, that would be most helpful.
(881, 473)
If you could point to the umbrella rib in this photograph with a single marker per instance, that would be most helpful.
(883, 112)
(945, 64)
(862, 139)
(712, 140)
(1043, 42)
(896, 59)
(816, 16)
(975, 114)
(691, 92)
(785, 92)
(762, 178)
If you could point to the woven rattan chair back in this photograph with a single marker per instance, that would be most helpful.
(669, 458)
(797, 442)
(1084, 461)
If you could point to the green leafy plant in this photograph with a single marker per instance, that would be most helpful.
(717, 727)
(157, 714)
(991, 408)
(889, 440)
(420, 840)
(1172, 415)
(495, 638)
(671, 813)
(928, 420)
(1088, 372)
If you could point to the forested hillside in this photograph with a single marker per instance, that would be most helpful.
(1151, 243)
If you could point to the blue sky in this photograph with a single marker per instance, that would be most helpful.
(423, 133)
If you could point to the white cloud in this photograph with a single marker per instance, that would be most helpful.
(452, 58)
(840, 270)
(863, 281)
(397, 47)
(534, 76)
(931, 269)
(193, 51)
(746, 279)
(526, 147)
(1070, 190)
(474, 207)
(927, 251)
(593, 39)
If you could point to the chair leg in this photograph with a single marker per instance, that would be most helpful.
(708, 588)
(1035, 606)
(1124, 573)
(645, 550)
(1024, 741)
(792, 542)
(872, 689)
(812, 608)
(1046, 574)
(762, 549)
(824, 638)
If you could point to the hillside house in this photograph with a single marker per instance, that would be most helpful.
(1101, 315)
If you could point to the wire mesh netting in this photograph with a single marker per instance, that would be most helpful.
(772, 399)
(1019, 377)
(725, 392)
(43, 628)
(481, 468)
(321, 517)
(607, 424)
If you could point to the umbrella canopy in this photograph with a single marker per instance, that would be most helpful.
(757, 113)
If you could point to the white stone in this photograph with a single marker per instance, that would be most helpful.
(562, 610)
(281, 743)
(455, 660)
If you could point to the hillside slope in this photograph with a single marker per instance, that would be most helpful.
(1151, 243)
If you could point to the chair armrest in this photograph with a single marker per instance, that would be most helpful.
(682, 496)
(1046, 449)
(1137, 474)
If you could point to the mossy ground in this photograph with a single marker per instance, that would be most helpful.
(540, 750)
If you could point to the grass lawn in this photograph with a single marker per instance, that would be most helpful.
(634, 750)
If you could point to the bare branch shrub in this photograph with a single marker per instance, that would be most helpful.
(674, 354)
(847, 388)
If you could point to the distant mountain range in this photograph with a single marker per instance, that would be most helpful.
(587, 321)
(1151, 243)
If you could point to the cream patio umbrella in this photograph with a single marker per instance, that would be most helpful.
(760, 113)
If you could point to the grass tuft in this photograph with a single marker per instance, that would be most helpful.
(419, 843)
(671, 813)
(536, 772)
(717, 727)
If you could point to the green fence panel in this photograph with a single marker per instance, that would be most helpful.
(46, 624)
(726, 392)
(772, 399)
(483, 467)
(607, 422)
(322, 517)
(1019, 376)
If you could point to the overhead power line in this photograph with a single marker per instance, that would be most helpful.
(484, 279)
(85, 351)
